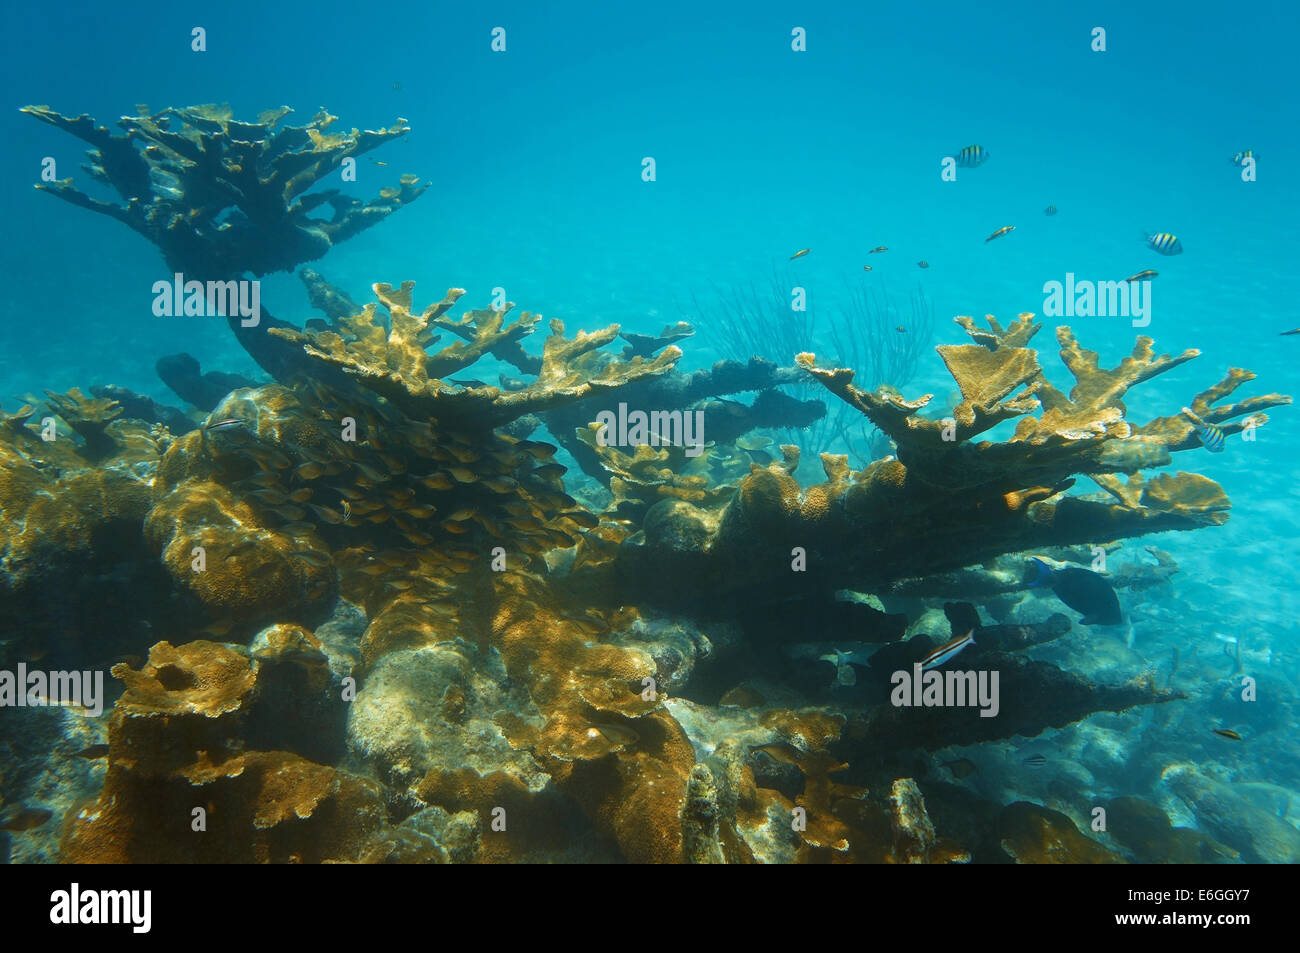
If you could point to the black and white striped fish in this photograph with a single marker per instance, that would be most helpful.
(1211, 436)
(946, 652)
(1165, 243)
(972, 156)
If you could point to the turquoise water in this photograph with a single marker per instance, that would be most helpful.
(535, 159)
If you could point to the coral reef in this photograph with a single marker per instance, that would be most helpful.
(431, 651)
(945, 501)
(220, 197)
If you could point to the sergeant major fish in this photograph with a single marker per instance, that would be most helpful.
(1164, 243)
(972, 157)
(1212, 437)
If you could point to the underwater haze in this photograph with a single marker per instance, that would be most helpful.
(706, 518)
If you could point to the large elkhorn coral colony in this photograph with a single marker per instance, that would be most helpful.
(502, 650)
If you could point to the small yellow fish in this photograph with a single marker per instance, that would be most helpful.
(923, 264)
(1143, 276)
(313, 558)
(800, 253)
(1227, 733)
(866, 267)
(1000, 232)
(878, 249)
(324, 512)
(616, 735)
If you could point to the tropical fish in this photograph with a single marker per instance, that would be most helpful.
(468, 382)
(616, 735)
(1082, 590)
(1000, 232)
(868, 268)
(1008, 636)
(1292, 331)
(800, 253)
(1143, 275)
(972, 156)
(742, 696)
(844, 672)
(1226, 733)
(1164, 243)
(1050, 210)
(20, 817)
(900, 329)
(923, 264)
(1035, 761)
(947, 651)
(229, 423)
(960, 768)
(218, 628)
(1212, 437)
(878, 249)
(779, 751)
(1241, 157)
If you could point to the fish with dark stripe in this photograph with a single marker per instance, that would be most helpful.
(947, 652)
(972, 157)
(1164, 243)
(1212, 437)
